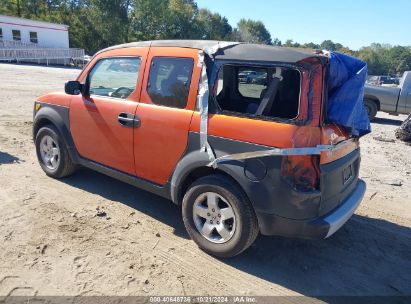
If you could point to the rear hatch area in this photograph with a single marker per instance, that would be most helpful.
(337, 180)
(344, 121)
(339, 169)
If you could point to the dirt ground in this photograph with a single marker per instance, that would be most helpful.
(52, 242)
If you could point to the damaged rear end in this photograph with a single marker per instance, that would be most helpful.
(344, 120)
(324, 178)
(321, 187)
(340, 186)
(287, 129)
(334, 173)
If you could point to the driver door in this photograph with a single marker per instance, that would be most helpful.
(102, 122)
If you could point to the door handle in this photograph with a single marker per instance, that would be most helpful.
(128, 120)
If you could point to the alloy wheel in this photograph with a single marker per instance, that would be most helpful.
(49, 152)
(214, 217)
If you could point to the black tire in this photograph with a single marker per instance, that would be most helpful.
(66, 166)
(246, 224)
(371, 108)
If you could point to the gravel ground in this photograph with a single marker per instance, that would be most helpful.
(54, 244)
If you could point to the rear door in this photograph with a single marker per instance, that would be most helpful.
(167, 104)
(102, 124)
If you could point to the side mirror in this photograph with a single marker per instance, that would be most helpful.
(73, 87)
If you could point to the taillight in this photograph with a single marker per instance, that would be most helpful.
(301, 172)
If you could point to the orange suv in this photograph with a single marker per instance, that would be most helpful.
(176, 118)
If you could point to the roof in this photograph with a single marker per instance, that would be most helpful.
(29, 22)
(229, 50)
(260, 52)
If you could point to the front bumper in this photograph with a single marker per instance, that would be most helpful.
(318, 228)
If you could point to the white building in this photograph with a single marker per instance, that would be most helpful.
(44, 34)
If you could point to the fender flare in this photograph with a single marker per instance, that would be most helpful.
(195, 160)
(59, 117)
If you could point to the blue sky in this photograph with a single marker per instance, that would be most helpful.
(353, 23)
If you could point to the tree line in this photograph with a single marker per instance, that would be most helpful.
(96, 24)
(382, 59)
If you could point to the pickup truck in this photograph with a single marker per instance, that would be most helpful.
(394, 101)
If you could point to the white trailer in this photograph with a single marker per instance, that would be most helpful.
(39, 33)
(25, 40)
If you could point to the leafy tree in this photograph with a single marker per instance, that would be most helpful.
(148, 19)
(212, 26)
(375, 66)
(252, 31)
(399, 60)
(164, 19)
(383, 59)
(11, 7)
(312, 45)
(291, 43)
(181, 19)
(338, 46)
(276, 42)
(288, 43)
(110, 20)
(347, 51)
(328, 45)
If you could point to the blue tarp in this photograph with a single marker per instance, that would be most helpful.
(346, 81)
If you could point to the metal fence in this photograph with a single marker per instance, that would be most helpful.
(43, 55)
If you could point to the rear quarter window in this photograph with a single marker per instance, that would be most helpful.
(245, 91)
(251, 82)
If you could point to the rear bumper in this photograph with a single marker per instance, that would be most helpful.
(318, 228)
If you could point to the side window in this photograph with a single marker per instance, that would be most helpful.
(33, 37)
(114, 77)
(252, 91)
(251, 81)
(169, 81)
(1, 33)
(16, 35)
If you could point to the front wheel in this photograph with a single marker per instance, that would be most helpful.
(219, 217)
(52, 153)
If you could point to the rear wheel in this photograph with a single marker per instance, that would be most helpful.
(219, 217)
(371, 108)
(52, 153)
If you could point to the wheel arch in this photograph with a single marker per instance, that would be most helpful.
(373, 98)
(40, 123)
(58, 117)
(192, 167)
